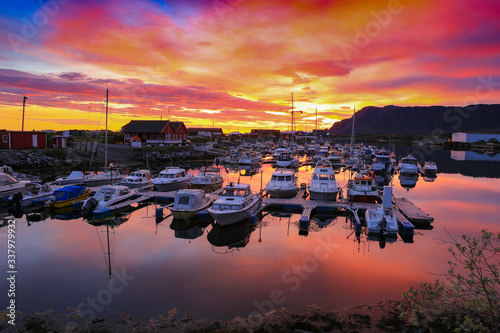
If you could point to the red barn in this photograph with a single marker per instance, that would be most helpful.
(22, 140)
(155, 131)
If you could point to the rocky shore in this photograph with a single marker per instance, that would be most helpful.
(380, 317)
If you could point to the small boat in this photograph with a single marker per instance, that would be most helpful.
(382, 220)
(140, 179)
(34, 191)
(232, 158)
(188, 203)
(65, 196)
(10, 186)
(106, 196)
(208, 178)
(323, 185)
(171, 179)
(74, 178)
(250, 158)
(336, 160)
(103, 178)
(287, 160)
(236, 204)
(430, 167)
(383, 162)
(408, 165)
(363, 187)
(283, 184)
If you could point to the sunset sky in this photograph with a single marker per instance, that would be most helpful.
(234, 63)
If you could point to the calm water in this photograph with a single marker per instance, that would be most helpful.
(62, 263)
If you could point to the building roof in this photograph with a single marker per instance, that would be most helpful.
(204, 129)
(145, 126)
(176, 125)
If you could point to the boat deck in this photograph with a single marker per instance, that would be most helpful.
(411, 212)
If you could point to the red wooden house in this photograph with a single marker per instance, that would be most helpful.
(155, 131)
(22, 140)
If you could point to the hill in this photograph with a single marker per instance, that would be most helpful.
(422, 120)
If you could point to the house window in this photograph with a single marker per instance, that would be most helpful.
(168, 136)
(127, 136)
(4, 138)
(145, 136)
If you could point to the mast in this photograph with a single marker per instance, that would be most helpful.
(106, 136)
(109, 252)
(24, 103)
(352, 131)
(316, 125)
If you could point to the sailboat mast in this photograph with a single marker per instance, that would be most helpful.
(106, 136)
(352, 131)
(292, 119)
(316, 124)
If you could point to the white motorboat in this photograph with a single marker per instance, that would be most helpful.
(237, 203)
(336, 160)
(323, 185)
(383, 162)
(140, 179)
(408, 165)
(382, 220)
(10, 186)
(75, 177)
(363, 187)
(430, 167)
(171, 179)
(287, 160)
(278, 152)
(106, 196)
(232, 158)
(188, 203)
(34, 191)
(103, 178)
(283, 184)
(209, 178)
(250, 158)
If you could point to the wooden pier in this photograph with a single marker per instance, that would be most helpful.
(411, 212)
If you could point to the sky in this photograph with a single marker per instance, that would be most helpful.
(234, 64)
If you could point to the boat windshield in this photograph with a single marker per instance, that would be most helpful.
(6, 179)
(105, 193)
(410, 161)
(183, 199)
(234, 192)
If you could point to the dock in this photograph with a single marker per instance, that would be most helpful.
(411, 212)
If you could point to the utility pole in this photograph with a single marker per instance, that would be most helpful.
(24, 103)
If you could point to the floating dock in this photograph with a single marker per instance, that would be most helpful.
(412, 212)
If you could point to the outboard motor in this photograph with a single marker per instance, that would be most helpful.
(15, 201)
(89, 206)
(50, 201)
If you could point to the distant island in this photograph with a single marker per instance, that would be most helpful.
(421, 120)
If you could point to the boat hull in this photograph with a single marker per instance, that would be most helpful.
(224, 218)
(68, 203)
(323, 195)
(100, 182)
(409, 169)
(167, 187)
(211, 187)
(282, 193)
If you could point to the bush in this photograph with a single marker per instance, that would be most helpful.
(59, 153)
(468, 300)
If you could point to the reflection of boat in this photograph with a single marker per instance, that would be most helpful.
(208, 178)
(430, 167)
(186, 228)
(188, 203)
(430, 177)
(65, 196)
(171, 179)
(323, 185)
(363, 187)
(382, 220)
(247, 170)
(408, 165)
(382, 239)
(324, 220)
(140, 179)
(64, 213)
(408, 181)
(106, 196)
(236, 203)
(283, 184)
(10, 186)
(233, 236)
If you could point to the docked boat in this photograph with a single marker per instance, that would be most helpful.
(383, 162)
(250, 158)
(74, 178)
(10, 186)
(171, 179)
(287, 160)
(363, 187)
(408, 165)
(209, 178)
(430, 167)
(283, 184)
(188, 203)
(232, 158)
(381, 220)
(103, 178)
(35, 191)
(106, 196)
(323, 185)
(65, 196)
(140, 179)
(336, 160)
(236, 203)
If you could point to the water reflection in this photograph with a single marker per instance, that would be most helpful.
(234, 236)
(408, 181)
